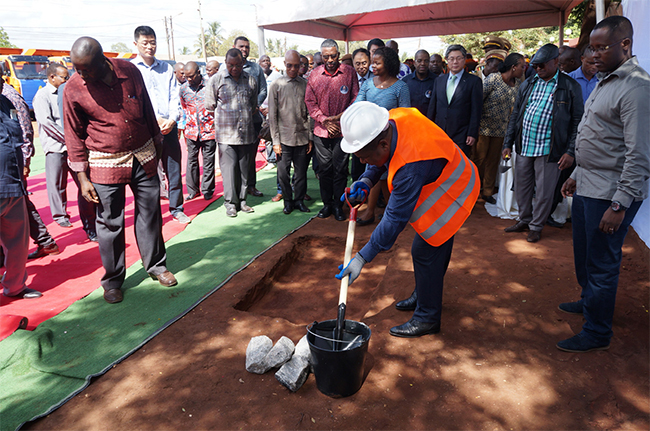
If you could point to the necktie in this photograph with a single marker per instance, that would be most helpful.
(361, 81)
(450, 88)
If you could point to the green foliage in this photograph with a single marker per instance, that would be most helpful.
(4, 40)
(524, 41)
(277, 47)
(185, 51)
(214, 41)
(120, 47)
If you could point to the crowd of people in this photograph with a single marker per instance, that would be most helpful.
(426, 136)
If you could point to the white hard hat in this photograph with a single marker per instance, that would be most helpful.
(360, 124)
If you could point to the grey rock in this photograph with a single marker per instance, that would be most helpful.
(256, 352)
(294, 373)
(302, 349)
(280, 353)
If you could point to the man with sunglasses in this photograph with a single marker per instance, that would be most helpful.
(542, 129)
(610, 181)
(199, 133)
(332, 87)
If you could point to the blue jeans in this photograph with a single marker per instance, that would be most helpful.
(597, 257)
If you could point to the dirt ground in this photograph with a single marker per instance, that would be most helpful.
(494, 365)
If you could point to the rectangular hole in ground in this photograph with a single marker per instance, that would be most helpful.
(301, 286)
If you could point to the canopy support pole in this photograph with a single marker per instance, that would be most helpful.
(600, 10)
(561, 39)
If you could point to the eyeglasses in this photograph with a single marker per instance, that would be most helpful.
(455, 59)
(292, 66)
(328, 56)
(602, 49)
(538, 66)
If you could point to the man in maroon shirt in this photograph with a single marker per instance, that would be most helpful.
(331, 88)
(111, 129)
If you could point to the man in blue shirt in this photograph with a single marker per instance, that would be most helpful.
(160, 80)
(586, 73)
(421, 82)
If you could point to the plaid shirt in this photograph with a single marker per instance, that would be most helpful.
(536, 128)
(233, 103)
(199, 122)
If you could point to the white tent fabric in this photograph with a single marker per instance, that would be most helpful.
(638, 11)
(350, 20)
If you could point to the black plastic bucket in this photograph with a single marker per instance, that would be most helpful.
(338, 365)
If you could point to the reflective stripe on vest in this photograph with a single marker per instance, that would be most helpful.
(445, 204)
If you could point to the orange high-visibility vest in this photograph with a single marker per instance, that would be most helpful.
(445, 204)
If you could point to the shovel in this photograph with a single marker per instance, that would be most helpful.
(349, 243)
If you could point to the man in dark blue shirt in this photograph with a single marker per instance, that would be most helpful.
(14, 224)
(421, 82)
(433, 186)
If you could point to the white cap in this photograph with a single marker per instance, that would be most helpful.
(360, 124)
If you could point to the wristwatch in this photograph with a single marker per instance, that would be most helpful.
(617, 207)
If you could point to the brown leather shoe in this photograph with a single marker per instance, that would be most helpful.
(534, 236)
(113, 296)
(277, 198)
(520, 226)
(307, 197)
(166, 278)
(254, 192)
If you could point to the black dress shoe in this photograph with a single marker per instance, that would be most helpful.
(409, 303)
(113, 296)
(338, 214)
(490, 199)
(361, 222)
(254, 192)
(288, 207)
(325, 212)
(520, 226)
(307, 197)
(27, 293)
(414, 328)
(207, 196)
(553, 223)
(44, 251)
(534, 236)
(92, 236)
(300, 206)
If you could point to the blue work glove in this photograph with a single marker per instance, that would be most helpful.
(353, 269)
(357, 191)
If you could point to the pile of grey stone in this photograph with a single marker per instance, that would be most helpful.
(294, 361)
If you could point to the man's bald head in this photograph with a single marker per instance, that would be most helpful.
(292, 55)
(212, 67)
(292, 63)
(192, 73)
(86, 47)
(179, 72)
(569, 60)
(393, 45)
(88, 59)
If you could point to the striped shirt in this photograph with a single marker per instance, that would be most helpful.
(536, 128)
(233, 102)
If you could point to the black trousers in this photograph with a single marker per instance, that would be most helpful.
(234, 161)
(332, 169)
(430, 265)
(147, 223)
(357, 169)
(300, 158)
(252, 172)
(208, 148)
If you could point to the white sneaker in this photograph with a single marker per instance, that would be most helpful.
(182, 218)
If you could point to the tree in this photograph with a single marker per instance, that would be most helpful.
(120, 47)
(213, 40)
(524, 41)
(4, 40)
(184, 51)
(277, 47)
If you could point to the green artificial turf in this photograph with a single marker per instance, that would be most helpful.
(41, 369)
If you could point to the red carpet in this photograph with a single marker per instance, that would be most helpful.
(76, 272)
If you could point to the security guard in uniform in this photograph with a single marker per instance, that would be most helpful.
(433, 186)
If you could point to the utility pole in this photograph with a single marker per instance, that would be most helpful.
(167, 34)
(205, 53)
(171, 30)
